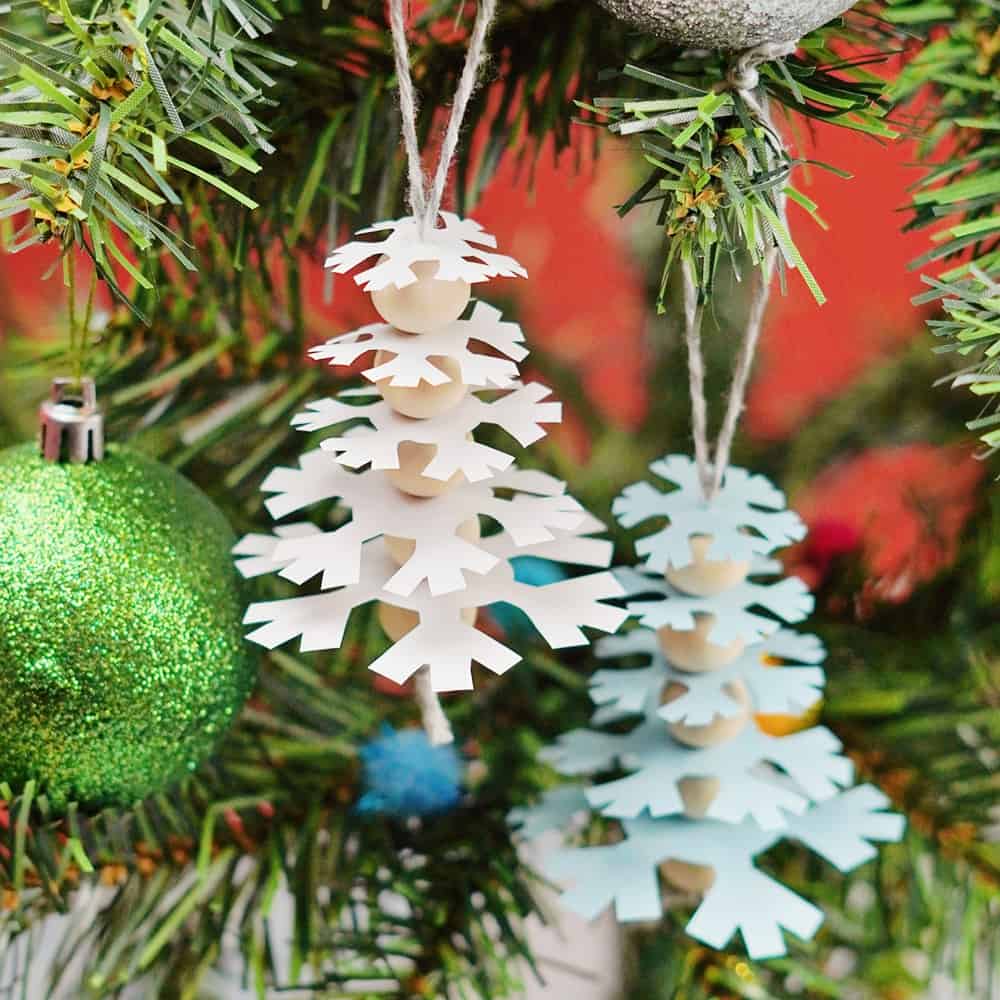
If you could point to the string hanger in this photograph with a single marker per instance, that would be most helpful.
(712, 463)
(426, 193)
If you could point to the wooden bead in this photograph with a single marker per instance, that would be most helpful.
(396, 621)
(721, 729)
(704, 577)
(402, 548)
(424, 400)
(414, 457)
(691, 649)
(698, 794)
(424, 305)
(687, 877)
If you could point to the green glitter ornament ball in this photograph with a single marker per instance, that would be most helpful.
(121, 656)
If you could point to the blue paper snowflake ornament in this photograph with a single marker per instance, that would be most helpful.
(746, 518)
(742, 898)
(404, 774)
(702, 785)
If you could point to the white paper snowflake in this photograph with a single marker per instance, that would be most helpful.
(538, 511)
(411, 363)
(521, 413)
(625, 875)
(457, 247)
(441, 640)
(746, 517)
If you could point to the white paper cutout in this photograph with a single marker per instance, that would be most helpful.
(441, 640)
(411, 364)
(457, 247)
(764, 788)
(521, 413)
(445, 573)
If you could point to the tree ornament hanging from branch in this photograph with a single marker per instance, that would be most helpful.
(122, 662)
(705, 791)
(730, 26)
(404, 460)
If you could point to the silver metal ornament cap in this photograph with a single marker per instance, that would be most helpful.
(71, 427)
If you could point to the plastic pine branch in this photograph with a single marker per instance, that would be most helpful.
(704, 791)
(116, 123)
(403, 460)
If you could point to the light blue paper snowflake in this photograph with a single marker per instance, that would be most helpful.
(811, 758)
(735, 609)
(792, 688)
(558, 809)
(741, 898)
(746, 517)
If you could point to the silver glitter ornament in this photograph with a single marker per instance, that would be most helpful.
(731, 25)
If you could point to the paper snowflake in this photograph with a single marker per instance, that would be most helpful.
(625, 875)
(746, 517)
(521, 413)
(811, 758)
(458, 247)
(751, 789)
(441, 640)
(735, 610)
(444, 573)
(793, 687)
(411, 363)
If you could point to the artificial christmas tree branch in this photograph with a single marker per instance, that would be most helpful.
(958, 196)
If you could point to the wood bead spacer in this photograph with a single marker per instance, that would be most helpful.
(424, 400)
(686, 877)
(397, 622)
(414, 457)
(721, 729)
(426, 304)
(692, 650)
(401, 549)
(706, 577)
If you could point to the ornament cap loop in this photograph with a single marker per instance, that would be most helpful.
(71, 427)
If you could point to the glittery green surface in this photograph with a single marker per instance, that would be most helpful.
(121, 656)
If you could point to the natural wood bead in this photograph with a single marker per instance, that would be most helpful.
(414, 457)
(704, 577)
(402, 548)
(397, 621)
(424, 400)
(691, 649)
(687, 877)
(698, 794)
(424, 305)
(721, 729)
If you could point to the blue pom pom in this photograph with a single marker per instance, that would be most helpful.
(405, 775)
(536, 572)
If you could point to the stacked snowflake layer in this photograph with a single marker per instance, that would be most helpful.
(699, 789)
(421, 491)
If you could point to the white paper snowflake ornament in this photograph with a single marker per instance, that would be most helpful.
(699, 789)
(422, 277)
(402, 457)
